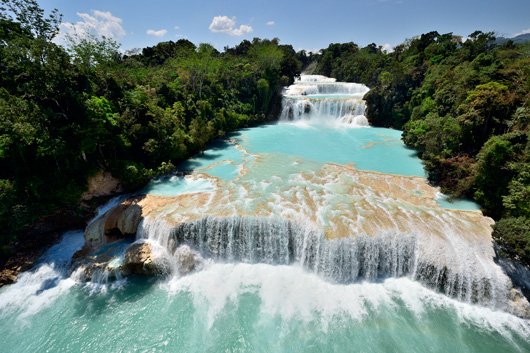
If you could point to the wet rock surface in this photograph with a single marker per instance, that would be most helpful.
(119, 222)
(185, 259)
(139, 259)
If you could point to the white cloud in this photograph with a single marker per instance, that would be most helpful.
(100, 23)
(387, 47)
(243, 29)
(314, 51)
(270, 23)
(224, 24)
(525, 31)
(177, 27)
(158, 34)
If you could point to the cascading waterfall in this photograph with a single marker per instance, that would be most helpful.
(281, 242)
(323, 100)
(391, 236)
(342, 260)
(316, 78)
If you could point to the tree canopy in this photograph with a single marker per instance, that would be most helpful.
(68, 112)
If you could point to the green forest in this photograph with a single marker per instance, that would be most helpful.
(465, 106)
(69, 111)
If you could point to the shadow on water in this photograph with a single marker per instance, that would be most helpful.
(192, 165)
(211, 152)
(48, 284)
(413, 152)
(96, 302)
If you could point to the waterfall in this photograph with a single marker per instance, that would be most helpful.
(282, 242)
(343, 260)
(316, 78)
(320, 99)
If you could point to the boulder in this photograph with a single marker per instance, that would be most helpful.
(185, 259)
(139, 259)
(518, 304)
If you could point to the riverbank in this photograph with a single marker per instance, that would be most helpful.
(35, 239)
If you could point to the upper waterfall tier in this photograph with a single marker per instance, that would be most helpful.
(345, 89)
(323, 100)
(316, 78)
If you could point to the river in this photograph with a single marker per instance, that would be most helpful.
(315, 234)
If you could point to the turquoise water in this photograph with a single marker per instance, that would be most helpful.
(242, 308)
(374, 149)
(310, 145)
(245, 307)
(172, 185)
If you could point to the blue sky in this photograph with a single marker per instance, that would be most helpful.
(306, 25)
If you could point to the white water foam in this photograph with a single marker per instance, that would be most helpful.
(40, 287)
(315, 78)
(292, 293)
(324, 101)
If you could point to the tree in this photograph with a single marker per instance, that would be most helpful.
(31, 18)
(90, 51)
(485, 111)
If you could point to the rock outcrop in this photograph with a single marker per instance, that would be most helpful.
(119, 222)
(518, 304)
(102, 184)
(139, 259)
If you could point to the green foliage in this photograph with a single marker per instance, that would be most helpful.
(517, 201)
(66, 113)
(88, 51)
(485, 112)
(30, 17)
(513, 235)
(492, 173)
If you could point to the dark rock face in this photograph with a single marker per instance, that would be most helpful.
(20, 262)
(36, 238)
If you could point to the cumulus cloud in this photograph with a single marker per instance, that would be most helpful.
(158, 34)
(314, 51)
(224, 24)
(525, 31)
(270, 23)
(177, 27)
(99, 23)
(387, 47)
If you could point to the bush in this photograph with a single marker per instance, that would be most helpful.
(513, 236)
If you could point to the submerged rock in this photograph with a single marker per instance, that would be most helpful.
(518, 304)
(139, 259)
(185, 259)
